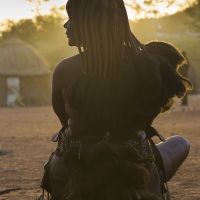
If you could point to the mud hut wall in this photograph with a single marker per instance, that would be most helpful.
(36, 90)
(3, 91)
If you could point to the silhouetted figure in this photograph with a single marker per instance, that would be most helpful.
(106, 99)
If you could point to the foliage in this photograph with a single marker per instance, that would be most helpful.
(45, 33)
(154, 8)
(194, 13)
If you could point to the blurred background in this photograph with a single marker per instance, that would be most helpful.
(33, 41)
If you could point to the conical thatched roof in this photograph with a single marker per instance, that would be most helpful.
(19, 58)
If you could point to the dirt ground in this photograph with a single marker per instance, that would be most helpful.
(25, 135)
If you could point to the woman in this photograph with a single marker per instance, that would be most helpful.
(106, 99)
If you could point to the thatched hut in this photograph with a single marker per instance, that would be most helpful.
(24, 74)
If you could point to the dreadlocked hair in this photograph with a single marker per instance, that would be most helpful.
(123, 83)
(103, 35)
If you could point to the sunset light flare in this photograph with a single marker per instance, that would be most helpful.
(24, 9)
(136, 9)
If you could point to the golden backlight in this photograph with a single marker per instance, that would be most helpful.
(18, 9)
(138, 9)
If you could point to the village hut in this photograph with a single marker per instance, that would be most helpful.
(24, 74)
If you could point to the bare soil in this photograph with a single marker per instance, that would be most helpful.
(25, 135)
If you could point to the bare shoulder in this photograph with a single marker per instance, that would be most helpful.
(67, 69)
(68, 65)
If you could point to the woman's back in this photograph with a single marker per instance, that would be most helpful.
(106, 98)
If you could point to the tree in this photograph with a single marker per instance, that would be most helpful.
(194, 13)
(45, 33)
(154, 8)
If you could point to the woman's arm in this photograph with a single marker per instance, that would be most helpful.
(64, 74)
(57, 99)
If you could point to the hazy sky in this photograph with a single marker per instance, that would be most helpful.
(17, 9)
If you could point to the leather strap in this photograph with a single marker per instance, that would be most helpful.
(150, 131)
(56, 136)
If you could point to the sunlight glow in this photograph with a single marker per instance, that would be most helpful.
(21, 9)
(18, 9)
(155, 8)
(180, 1)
